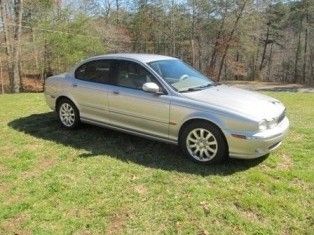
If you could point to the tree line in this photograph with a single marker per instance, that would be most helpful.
(268, 40)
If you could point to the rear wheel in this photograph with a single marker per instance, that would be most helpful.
(68, 114)
(203, 142)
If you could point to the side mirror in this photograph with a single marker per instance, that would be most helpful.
(151, 87)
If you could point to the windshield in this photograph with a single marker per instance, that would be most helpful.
(181, 76)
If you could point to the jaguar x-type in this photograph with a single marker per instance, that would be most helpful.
(165, 99)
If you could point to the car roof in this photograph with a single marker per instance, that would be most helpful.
(144, 58)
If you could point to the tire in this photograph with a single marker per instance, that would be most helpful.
(203, 142)
(68, 114)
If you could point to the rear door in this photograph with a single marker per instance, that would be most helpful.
(134, 109)
(90, 89)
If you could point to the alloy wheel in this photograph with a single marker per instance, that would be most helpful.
(67, 114)
(201, 144)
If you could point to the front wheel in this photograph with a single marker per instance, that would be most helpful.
(203, 143)
(68, 114)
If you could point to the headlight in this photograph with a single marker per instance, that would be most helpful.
(262, 125)
(271, 124)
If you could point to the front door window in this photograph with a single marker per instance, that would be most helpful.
(132, 75)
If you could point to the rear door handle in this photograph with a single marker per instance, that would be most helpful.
(116, 92)
(74, 85)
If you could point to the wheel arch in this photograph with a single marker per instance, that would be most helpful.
(200, 119)
(64, 97)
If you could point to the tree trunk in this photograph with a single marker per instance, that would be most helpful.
(212, 63)
(305, 47)
(265, 47)
(1, 75)
(47, 71)
(222, 62)
(297, 55)
(18, 8)
(117, 8)
(270, 60)
(35, 51)
(7, 42)
(193, 35)
(237, 60)
(200, 55)
(311, 82)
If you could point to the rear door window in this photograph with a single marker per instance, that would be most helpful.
(99, 71)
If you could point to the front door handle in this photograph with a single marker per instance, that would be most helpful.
(116, 92)
(74, 85)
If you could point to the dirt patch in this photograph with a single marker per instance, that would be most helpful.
(206, 207)
(251, 215)
(79, 213)
(42, 166)
(203, 232)
(286, 162)
(118, 222)
(248, 213)
(296, 137)
(301, 184)
(3, 170)
(14, 225)
(5, 188)
(83, 232)
(140, 189)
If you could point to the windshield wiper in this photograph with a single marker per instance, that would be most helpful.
(198, 88)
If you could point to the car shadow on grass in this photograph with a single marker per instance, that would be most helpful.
(95, 141)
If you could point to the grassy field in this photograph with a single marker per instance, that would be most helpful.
(95, 180)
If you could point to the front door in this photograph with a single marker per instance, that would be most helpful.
(134, 109)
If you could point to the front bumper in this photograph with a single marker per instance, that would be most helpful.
(259, 144)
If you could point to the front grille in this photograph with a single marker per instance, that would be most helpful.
(282, 116)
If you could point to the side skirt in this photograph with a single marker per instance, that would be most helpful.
(168, 141)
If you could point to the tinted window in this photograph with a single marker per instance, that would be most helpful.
(96, 71)
(132, 75)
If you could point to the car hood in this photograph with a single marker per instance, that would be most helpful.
(247, 103)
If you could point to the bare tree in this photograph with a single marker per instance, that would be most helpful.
(7, 40)
(18, 9)
(230, 37)
(306, 33)
(12, 35)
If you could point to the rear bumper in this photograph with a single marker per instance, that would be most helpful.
(259, 144)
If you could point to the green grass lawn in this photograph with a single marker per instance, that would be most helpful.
(95, 180)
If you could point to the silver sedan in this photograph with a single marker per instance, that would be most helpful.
(165, 99)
